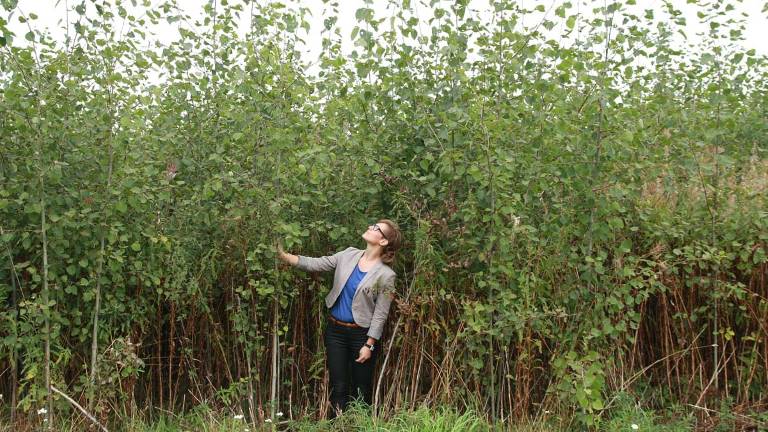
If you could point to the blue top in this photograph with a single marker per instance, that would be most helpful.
(342, 309)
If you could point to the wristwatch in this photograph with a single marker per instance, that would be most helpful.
(370, 347)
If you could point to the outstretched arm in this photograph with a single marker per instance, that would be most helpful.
(325, 263)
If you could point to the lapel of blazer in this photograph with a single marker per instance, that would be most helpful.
(349, 267)
(366, 279)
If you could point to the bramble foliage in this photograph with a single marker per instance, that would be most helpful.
(583, 198)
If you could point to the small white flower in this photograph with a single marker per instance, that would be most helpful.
(279, 413)
(635, 427)
(42, 411)
(268, 421)
(239, 417)
(546, 411)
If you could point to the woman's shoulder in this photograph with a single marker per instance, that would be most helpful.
(387, 270)
(349, 250)
(348, 254)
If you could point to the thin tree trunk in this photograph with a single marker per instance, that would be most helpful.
(46, 304)
(97, 305)
(275, 347)
(15, 287)
(171, 346)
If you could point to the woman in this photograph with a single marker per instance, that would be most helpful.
(359, 301)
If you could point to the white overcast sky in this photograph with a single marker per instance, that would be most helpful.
(52, 16)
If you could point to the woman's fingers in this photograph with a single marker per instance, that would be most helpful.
(280, 251)
(364, 355)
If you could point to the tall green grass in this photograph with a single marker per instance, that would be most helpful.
(627, 415)
(357, 418)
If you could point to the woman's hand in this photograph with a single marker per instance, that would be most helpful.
(365, 354)
(286, 257)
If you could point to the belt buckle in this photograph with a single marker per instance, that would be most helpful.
(342, 323)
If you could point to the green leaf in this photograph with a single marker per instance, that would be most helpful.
(570, 22)
(364, 14)
(597, 404)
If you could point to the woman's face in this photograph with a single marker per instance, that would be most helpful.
(377, 234)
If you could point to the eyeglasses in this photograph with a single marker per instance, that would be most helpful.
(376, 227)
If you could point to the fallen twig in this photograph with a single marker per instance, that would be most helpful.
(77, 405)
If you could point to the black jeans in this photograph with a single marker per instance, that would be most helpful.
(348, 378)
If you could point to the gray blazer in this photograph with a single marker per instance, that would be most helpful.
(370, 304)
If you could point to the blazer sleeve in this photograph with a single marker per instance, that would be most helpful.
(324, 263)
(381, 308)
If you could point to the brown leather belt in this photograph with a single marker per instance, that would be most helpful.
(342, 323)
